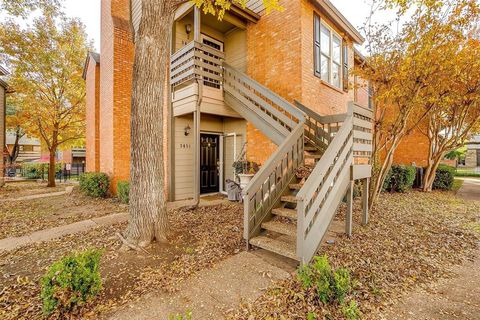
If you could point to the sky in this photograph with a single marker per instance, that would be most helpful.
(356, 11)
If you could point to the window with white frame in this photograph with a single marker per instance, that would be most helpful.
(328, 53)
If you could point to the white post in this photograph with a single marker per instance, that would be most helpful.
(366, 187)
(349, 215)
(197, 23)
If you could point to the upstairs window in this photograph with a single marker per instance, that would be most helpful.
(327, 53)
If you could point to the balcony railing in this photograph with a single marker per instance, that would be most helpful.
(197, 61)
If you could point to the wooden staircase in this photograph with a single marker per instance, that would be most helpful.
(279, 234)
(283, 213)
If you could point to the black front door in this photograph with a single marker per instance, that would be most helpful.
(209, 159)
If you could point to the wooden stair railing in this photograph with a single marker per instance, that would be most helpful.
(334, 173)
(284, 124)
(322, 193)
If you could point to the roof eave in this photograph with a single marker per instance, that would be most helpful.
(339, 19)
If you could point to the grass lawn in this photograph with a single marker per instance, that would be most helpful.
(412, 240)
(457, 184)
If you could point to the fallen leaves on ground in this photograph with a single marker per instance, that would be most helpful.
(412, 240)
(200, 238)
(18, 218)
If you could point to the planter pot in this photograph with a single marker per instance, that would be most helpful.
(245, 179)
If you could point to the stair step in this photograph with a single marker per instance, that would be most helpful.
(280, 227)
(296, 186)
(285, 213)
(313, 156)
(284, 248)
(291, 199)
(310, 149)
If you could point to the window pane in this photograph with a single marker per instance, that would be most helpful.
(337, 49)
(336, 75)
(325, 41)
(325, 69)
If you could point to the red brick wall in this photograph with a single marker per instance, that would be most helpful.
(117, 51)
(413, 148)
(93, 116)
(280, 56)
(273, 59)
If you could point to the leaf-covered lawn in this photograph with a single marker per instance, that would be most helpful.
(199, 239)
(412, 240)
(18, 218)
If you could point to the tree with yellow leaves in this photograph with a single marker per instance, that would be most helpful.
(407, 68)
(47, 62)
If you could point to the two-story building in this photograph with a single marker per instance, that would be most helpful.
(276, 86)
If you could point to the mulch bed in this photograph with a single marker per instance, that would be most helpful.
(412, 240)
(19, 218)
(199, 239)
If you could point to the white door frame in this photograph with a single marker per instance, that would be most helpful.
(221, 157)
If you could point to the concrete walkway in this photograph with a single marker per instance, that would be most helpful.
(448, 299)
(68, 190)
(240, 278)
(470, 189)
(9, 244)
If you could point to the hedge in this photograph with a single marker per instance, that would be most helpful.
(444, 178)
(123, 191)
(94, 184)
(400, 178)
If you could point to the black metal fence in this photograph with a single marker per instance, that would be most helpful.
(37, 171)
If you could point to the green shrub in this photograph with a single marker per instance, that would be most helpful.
(36, 170)
(351, 311)
(342, 283)
(305, 276)
(187, 316)
(400, 178)
(71, 282)
(94, 184)
(311, 316)
(123, 191)
(323, 281)
(444, 178)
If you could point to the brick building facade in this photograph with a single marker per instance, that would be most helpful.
(276, 50)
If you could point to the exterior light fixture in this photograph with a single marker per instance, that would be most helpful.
(187, 130)
(188, 29)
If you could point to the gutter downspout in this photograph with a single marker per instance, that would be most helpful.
(196, 169)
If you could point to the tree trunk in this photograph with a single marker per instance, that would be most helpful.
(430, 173)
(148, 214)
(51, 169)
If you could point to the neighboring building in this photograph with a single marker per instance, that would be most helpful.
(472, 157)
(4, 89)
(30, 149)
(277, 84)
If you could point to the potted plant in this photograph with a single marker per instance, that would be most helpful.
(245, 170)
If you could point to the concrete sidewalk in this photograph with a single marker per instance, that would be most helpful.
(68, 190)
(470, 189)
(9, 244)
(212, 292)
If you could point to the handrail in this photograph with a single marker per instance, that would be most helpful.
(320, 195)
(267, 186)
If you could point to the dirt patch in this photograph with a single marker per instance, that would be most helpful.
(19, 218)
(201, 238)
(412, 240)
